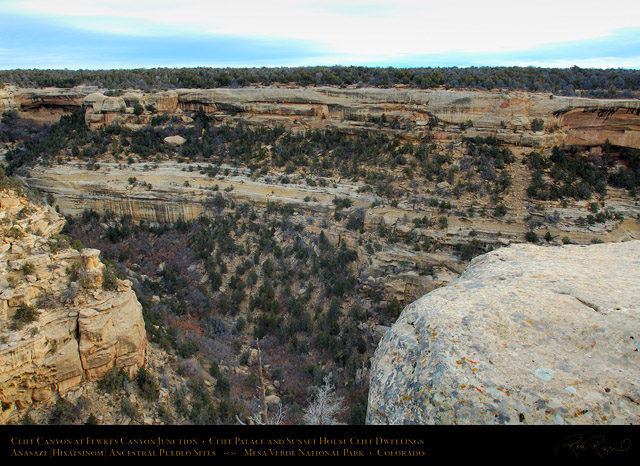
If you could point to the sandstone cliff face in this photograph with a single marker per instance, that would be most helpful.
(46, 105)
(167, 191)
(595, 126)
(527, 335)
(59, 325)
(507, 115)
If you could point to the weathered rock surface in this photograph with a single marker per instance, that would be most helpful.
(175, 140)
(167, 192)
(527, 335)
(46, 104)
(507, 115)
(75, 330)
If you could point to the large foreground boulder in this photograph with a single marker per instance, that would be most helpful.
(527, 335)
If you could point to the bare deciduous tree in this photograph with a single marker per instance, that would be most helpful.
(325, 407)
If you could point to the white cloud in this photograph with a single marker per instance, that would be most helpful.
(362, 30)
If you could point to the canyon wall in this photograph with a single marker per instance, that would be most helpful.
(510, 342)
(448, 114)
(165, 191)
(60, 323)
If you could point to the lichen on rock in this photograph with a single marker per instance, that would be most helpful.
(527, 335)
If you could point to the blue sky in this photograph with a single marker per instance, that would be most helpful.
(107, 34)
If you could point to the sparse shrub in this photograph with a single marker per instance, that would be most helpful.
(531, 237)
(225, 411)
(64, 413)
(90, 215)
(238, 328)
(251, 381)
(500, 210)
(148, 385)
(537, 124)
(202, 411)
(223, 385)
(24, 315)
(214, 369)
(73, 271)
(26, 420)
(361, 345)
(109, 280)
(129, 409)
(188, 349)
(393, 309)
(359, 413)
(113, 381)
(14, 233)
(28, 268)
(138, 109)
(355, 221)
(470, 250)
(342, 203)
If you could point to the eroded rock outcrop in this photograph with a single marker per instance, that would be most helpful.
(60, 322)
(46, 104)
(527, 335)
(506, 115)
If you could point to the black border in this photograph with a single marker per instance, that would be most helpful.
(258, 442)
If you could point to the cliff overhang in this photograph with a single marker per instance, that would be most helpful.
(511, 116)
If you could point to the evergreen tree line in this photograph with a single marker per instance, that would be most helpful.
(609, 83)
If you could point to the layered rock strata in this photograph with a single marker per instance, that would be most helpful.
(527, 335)
(448, 114)
(59, 324)
(167, 192)
(507, 115)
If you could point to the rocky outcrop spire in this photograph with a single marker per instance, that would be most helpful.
(61, 323)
